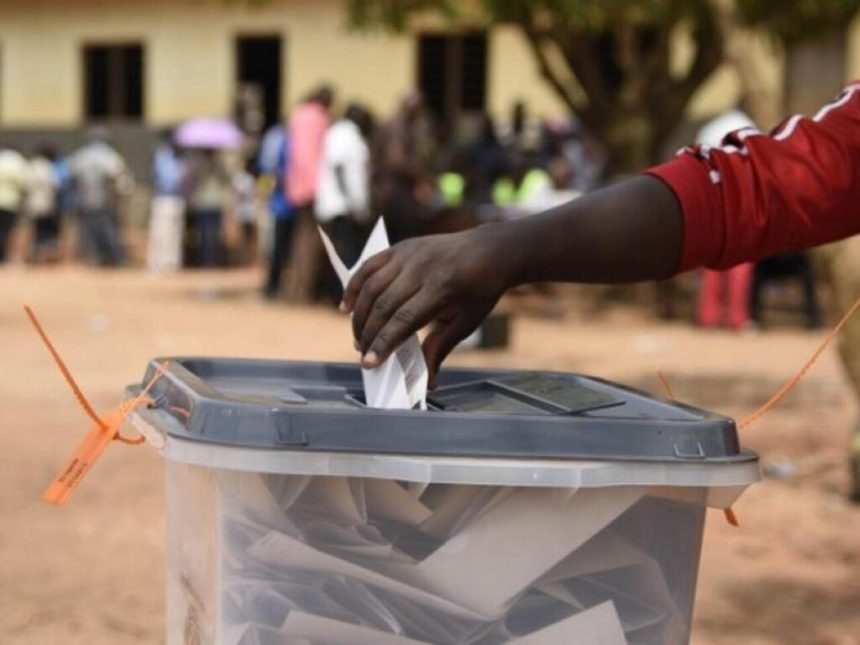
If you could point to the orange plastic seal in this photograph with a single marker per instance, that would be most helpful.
(88, 452)
(105, 429)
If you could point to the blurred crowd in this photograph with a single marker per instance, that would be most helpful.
(341, 171)
(46, 190)
(222, 195)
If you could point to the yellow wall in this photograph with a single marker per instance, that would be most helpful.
(189, 57)
(852, 67)
(512, 75)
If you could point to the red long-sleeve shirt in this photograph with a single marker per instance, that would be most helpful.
(760, 194)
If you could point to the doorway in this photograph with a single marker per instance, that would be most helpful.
(258, 77)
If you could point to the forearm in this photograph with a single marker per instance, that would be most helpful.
(625, 233)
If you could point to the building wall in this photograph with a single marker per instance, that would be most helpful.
(189, 58)
(189, 55)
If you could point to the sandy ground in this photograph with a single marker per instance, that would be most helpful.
(91, 572)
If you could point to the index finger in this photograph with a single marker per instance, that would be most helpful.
(371, 266)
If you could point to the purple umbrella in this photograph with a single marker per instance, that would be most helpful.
(205, 132)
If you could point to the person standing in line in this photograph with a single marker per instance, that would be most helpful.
(100, 178)
(402, 183)
(732, 284)
(343, 198)
(205, 187)
(42, 205)
(167, 214)
(245, 191)
(14, 182)
(65, 209)
(308, 125)
(272, 164)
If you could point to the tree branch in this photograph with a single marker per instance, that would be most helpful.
(709, 54)
(535, 40)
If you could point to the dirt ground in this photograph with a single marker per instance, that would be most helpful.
(91, 572)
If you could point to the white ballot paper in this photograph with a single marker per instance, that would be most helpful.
(401, 381)
(282, 552)
(300, 628)
(530, 531)
(596, 626)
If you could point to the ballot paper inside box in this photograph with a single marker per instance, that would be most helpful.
(317, 533)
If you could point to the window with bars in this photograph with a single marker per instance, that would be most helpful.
(113, 81)
(452, 73)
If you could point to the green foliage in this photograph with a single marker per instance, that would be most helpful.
(609, 61)
(789, 21)
(576, 14)
(395, 15)
(794, 21)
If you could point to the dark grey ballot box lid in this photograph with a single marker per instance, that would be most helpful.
(319, 407)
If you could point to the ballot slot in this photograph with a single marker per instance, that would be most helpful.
(529, 394)
(519, 394)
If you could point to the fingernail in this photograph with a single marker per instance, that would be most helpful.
(370, 359)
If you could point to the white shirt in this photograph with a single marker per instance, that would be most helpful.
(344, 147)
(713, 131)
(96, 169)
(42, 196)
(14, 180)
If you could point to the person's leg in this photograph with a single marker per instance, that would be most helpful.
(339, 232)
(99, 227)
(281, 241)
(210, 224)
(156, 234)
(52, 237)
(37, 243)
(304, 254)
(249, 243)
(761, 276)
(810, 298)
(174, 234)
(203, 226)
(91, 236)
(739, 280)
(191, 238)
(350, 238)
(113, 249)
(710, 295)
(7, 220)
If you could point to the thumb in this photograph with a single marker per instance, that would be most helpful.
(441, 340)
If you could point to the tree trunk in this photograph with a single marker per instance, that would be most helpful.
(813, 75)
(763, 100)
(629, 140)
(840, 264)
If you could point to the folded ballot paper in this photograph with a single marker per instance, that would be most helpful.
(401, 381)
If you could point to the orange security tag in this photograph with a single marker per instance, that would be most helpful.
(104, 430)
(87, 452)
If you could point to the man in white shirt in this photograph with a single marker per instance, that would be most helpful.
(100, 177)
(14, 182)
(41, 204)
(342, 203)
(343, 193)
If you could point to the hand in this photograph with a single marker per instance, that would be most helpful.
(450, 281)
